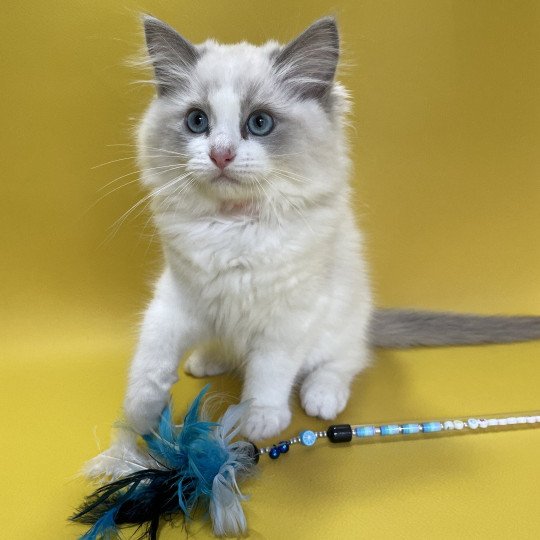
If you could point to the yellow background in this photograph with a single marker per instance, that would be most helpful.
(446, 140)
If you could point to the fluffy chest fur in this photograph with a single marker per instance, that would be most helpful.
(243, 273)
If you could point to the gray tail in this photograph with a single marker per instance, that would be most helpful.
(403, 328)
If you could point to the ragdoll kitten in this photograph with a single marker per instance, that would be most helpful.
(245, 155)
(245, 150)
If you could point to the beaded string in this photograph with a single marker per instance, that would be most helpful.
(339, 433)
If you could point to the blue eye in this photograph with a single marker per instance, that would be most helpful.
(260, 123)
(197, 121)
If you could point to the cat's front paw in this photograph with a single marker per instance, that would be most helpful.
(324, 398)
(263, 422)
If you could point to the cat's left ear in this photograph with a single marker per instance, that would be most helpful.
(172, 56)
(308, 63)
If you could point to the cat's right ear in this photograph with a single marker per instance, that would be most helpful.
(308, 63)
(171, 55)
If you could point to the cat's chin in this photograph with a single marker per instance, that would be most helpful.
(225, 179)
(226, 187)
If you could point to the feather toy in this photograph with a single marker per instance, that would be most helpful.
(198, 466)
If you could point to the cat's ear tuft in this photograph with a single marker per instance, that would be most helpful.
(308, 63)
(171, 55)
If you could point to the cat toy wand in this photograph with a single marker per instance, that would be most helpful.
(194, 468)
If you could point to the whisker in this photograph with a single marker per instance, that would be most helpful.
(132, 145)
(293, 176)
(114, 189)
(287, 155)
(271, 202)
(115, 227)
(126, 158)
(94, 204)
(178, 165)
(112, 161)
(178, 191)
(189, 183)
(257, 184)
(131, 182)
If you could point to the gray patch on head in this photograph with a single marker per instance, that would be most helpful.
(401, 328)
(167, 135)
(282, 137)
(269, 94)
(172, 56)
(307, 65)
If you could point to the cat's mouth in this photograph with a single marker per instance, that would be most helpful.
(223, 178)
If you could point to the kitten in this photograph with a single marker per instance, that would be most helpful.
(252, 204)
(244, 152)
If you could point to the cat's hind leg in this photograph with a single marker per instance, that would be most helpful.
(207, 361)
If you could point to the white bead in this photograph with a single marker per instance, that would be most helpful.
(458, 424)
(538, 418)
(448, 424)
(512, 420)
(493, 422)
(473, 423)
(521, 420)
(531, 419)
(503, 421)
(483, 423)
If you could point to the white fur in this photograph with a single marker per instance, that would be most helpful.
(270, 268)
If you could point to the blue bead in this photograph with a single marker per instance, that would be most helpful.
(389, 429)
(410, 429)
(431, 427)
(273, 452)
(283, 447)
(308, 437)
(365, 431)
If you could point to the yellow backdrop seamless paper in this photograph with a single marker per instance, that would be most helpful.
(446, 139)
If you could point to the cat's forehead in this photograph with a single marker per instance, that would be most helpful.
(239, 68)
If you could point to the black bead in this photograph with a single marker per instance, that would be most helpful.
(254, 453)
(273, 452)
(283, 447)
(339, 433)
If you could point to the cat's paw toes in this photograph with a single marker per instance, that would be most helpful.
(319, 398)
(199, 365)
(264, 422)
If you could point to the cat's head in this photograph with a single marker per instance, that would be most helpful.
(244, 122)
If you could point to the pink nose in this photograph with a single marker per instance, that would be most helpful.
(222, 157)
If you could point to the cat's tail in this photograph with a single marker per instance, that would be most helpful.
(404, 328)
